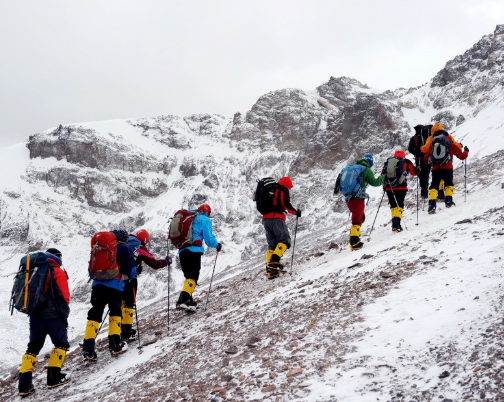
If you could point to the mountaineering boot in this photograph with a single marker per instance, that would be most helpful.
(127, 323)
(398, 226)
(394, 224)
(116, 345)
(25, 385)
(275, 268)
(449, 196)
(185, 300)
(88, 346)
(449, 201)
(355, 242)
(55, 377)
(432, 207)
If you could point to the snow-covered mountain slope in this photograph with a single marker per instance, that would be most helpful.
(384, 322)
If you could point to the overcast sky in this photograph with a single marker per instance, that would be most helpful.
(75, 61)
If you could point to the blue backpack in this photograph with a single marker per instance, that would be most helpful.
(351, 184)
(28, 295)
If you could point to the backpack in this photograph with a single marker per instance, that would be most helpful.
(180, 231)
(393, 171)
(28, 295)
(351, 180)
(264, 195)
(103, 261)
(440, 151)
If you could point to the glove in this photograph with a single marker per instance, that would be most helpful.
(169, 259)
(219, 247)
(466, 149)
(298, 213)
(417, 170)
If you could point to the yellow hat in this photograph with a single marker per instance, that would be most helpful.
(436, 127)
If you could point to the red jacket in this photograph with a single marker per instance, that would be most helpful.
(58, 303)
(454, 150)
(281, 204)
(148, 258)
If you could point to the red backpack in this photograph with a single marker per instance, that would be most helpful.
(103, 262)
(180, 232)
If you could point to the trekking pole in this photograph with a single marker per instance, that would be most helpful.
(372, 226)
(102, 323)
(211, 279)
(417, 185)
(136, 318)
(395, 199)
(294, 245)
(465, 181)
(168, 280)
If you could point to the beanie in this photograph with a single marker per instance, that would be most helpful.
(399, 154)
(54, 251)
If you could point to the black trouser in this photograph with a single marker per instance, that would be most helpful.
(102, 296)
(191, 264)
(441, 174)
(398, 195)
(57, 330)
(423, 177)
(129, 293)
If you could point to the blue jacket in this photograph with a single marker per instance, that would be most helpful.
(125, 260)
(201, 230)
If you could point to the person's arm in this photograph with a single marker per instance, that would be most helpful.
(60, 277)
(368, 176)
(426, 147)
(208, 235)
(285, 200)
(455, 150)
(409, 167)
(148, 258)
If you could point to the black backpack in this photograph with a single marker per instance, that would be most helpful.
(264, 195)
(28, 295)
(440, 150)
(393, 171)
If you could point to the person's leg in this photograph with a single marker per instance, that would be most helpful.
(58, 331)
(424, 180)
(128, 305)
(356, 207)
(393, 209)
(283, 243)
(191, 265)
(37, 339)
(449, 188)
(272, 242)
(94, 318)
(433, 190)
(114, 301)
(399, 197)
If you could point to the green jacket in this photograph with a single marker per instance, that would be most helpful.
(369, 177)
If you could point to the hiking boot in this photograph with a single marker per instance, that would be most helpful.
(89, 356)
(355, 243)
(119, 349)
(56, 378)
(26, 390)
(441, 195)
(189, 305)
(25, 386)
(449, 201)
(432, 207)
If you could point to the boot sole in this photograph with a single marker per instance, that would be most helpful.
(59, 385)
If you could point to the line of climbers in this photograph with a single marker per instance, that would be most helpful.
(433, 148)
(41, 285)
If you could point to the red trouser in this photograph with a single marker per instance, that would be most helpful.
(356, 207)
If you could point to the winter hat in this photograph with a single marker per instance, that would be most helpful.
(369, 158)
(436, 127)
(399, 154)
(286, 181)
(54, 251)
